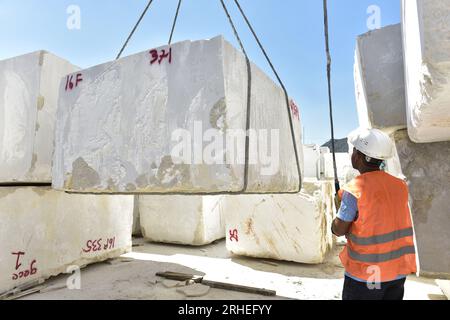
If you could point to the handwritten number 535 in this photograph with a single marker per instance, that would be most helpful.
(96, 245)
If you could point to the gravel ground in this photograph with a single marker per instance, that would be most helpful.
(132, 276)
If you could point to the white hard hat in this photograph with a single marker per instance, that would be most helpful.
(373, 143)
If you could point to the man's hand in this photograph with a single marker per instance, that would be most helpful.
(340, 228)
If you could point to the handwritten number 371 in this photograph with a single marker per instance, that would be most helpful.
(159, 56)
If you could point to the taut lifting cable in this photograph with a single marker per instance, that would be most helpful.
(174, 22)
(249, 94)
(284, 90)
(134, 29)
(330, 103)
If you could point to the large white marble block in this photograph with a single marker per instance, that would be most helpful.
(426, 168)
(173, 119)
(426, 26)
(379, 79)
(29, 86)
(294, 227)
(188, 220)
(44, 232)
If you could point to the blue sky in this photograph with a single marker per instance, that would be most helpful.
(291, 31)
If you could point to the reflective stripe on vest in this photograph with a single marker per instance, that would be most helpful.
(381, 257)
(399, 234)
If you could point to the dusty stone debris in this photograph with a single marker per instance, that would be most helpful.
(173, 283)
(195, 290)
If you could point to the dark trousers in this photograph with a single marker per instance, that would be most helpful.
(355, 290)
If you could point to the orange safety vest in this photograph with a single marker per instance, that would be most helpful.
(382, 236)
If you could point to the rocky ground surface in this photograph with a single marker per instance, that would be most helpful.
(132, 276)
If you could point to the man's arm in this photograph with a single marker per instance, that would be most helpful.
(340, 228)
(347, 213)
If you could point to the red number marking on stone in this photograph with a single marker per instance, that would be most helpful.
(78, 79)
(234, 235)
(69, 81)
(24, 273)
(154, 54)
(33, 270)
(89, 246)
(294, 110)
(165, 55)
(18, 258)
(159, 56)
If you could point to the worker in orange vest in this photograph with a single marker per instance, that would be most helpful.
(375, 218)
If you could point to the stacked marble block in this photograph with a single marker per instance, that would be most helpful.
(318, 164)
(379, 79)
(136, 227)
(28, 100)
(179, 219)
(426, 27)
(426, 168)
(312, 161)
(46, 232)
(43, 232)
(382, 101)
(147, 125)
(173, 120)
(192, 220)
(344, 166)
(290, 227)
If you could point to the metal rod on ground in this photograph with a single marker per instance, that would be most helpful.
(215, 284)
(330, 103)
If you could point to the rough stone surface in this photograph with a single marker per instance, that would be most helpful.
(445, 287)
(426, 26)
(189, 220)
(28, 98)
(379, 79)
(426, 168)
(115, 129)
(136, 218)
(311, 161)
(343, 164)
(318, 164)
(195, 290)
(173, 284)
(138, 281)
(282, 227)
(57, 230)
